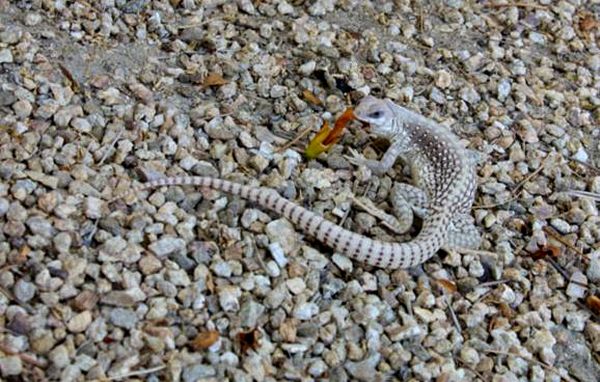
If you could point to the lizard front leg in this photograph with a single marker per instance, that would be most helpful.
(379, 167)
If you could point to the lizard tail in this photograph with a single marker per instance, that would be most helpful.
(361, 248)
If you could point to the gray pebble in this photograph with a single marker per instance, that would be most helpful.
(560, 225)
(22, 108)
(593, 270)
(63, 116)
(59, 356)
(124, 318)
(250, 313)
(222, 269)
(284, 233)
(93, 207)
(276, 252)
(504, 88)
(11, 365)
(24, 290)
(577, 287)
(197, 372)
(4, 205)
(7, 98)
(5, 56)
(167, 245)
(364, 370)
(307, 68)
(178, 277)
(305, 310)
(229, 298)
(80, 322)
(278, 91)
(40, 226)
(32, 18)
(469, 95)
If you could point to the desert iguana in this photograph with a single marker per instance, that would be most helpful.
(442, 172)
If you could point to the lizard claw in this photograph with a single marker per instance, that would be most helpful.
(355, 158)
(358, 160)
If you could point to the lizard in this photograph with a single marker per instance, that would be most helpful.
(444, 193)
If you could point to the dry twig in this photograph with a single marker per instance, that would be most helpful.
(133, 374)
(109, 149)
(584, 194)
(517, 5)
(557, 236)
(298, 137)
(530, 176)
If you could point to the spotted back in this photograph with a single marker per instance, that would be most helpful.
(441, 163)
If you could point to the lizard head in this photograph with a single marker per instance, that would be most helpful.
(375, 112)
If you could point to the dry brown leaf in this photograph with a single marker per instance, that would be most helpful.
(593, 303)
(497, 322)
(587, 23)
(210, 285)
(548, 250)
(311, 97)
(447, 285)
(248, 340)
(213, 79)
(204, 340)
(506, 310)
(22, 255)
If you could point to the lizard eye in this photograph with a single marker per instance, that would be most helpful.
(376, 114)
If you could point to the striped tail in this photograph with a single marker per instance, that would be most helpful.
(361, 248)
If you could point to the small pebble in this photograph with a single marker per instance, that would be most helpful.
(11, 365)
(342, 262)
(5, 56)
(305, 311)
(577, 287)
(24, 290)
(80, 322)
(124, 318)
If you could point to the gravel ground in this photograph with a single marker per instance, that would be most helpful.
(185, 285)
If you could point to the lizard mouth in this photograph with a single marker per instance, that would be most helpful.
(363, 124)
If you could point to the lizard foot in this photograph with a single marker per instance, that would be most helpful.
(398, 226)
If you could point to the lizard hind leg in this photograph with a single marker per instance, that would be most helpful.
(406, 201)
(398, 226)
(463, 233)
(406, 196)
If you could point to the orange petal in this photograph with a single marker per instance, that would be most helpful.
(339, 126)
(327, 137)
